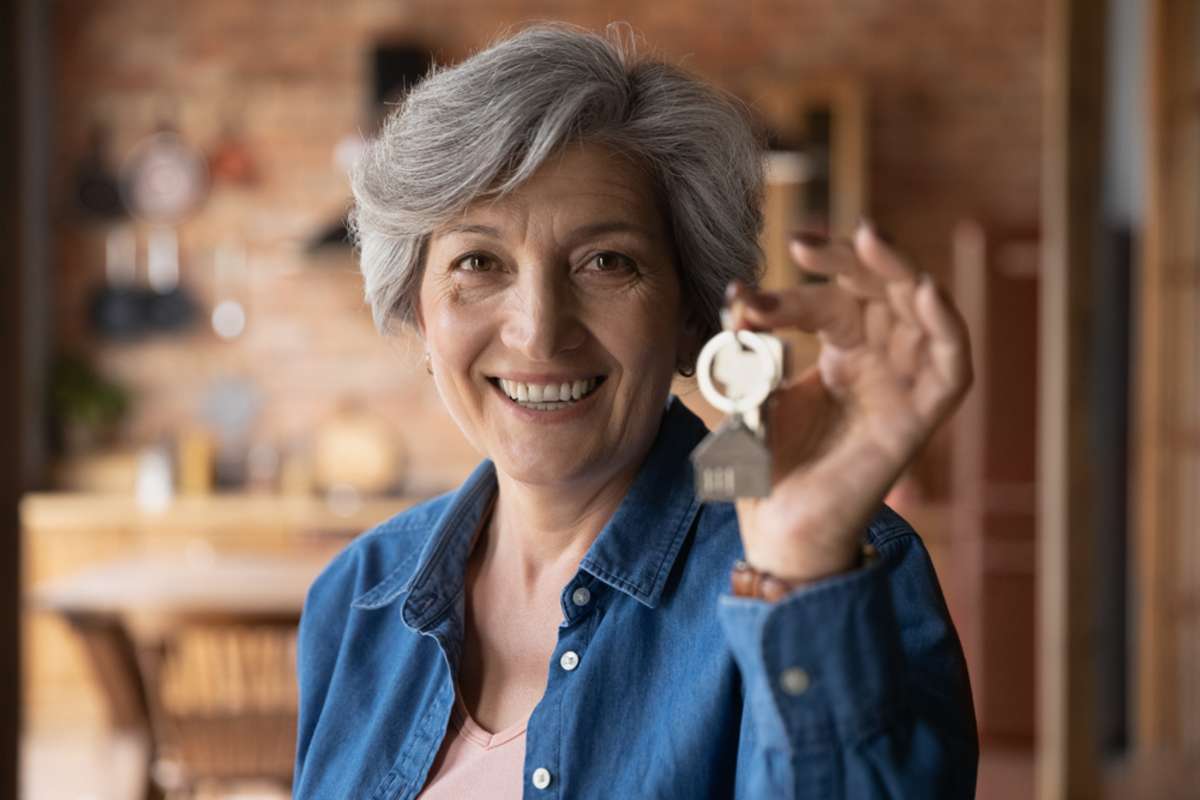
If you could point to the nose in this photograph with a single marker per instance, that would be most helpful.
(543, 316)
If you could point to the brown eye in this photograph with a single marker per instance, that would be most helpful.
(474, 262)
(612, 262)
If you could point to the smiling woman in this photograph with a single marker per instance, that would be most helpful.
(564, 281)
(559, 220)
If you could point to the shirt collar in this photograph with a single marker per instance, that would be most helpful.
(636, 550)
(634, 553)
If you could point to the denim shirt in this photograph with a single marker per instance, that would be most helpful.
(853, 686)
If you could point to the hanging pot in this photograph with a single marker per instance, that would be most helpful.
(164, 179)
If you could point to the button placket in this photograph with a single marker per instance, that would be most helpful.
(579, 606)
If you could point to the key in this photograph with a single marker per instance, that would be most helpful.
(734, 460)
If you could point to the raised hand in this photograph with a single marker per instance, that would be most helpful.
(894, 363)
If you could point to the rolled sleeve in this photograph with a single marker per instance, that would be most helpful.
(857, 682)
(814, 663)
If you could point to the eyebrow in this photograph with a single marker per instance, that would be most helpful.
(595, 229)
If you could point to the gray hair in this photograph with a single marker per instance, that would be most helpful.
(483, 127)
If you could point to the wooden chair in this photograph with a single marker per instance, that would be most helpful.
(221, 693)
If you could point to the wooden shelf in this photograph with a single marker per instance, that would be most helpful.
(81, 512)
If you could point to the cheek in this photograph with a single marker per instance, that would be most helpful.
(645, 336)
(454, 336)
(455, 341)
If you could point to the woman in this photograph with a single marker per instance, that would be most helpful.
(559, 219)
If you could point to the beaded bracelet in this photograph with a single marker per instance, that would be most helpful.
(746, 581)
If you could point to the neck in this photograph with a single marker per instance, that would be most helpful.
(538, 534)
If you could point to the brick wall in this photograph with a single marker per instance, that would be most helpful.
(955, 102)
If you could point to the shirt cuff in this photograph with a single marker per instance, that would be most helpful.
(822, 662)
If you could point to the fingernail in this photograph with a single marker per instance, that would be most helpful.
(810, 239)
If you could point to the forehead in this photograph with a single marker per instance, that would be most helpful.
(574, 186)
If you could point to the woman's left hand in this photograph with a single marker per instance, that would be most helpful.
(894, 363)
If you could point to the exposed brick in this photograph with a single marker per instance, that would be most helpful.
(955, 121)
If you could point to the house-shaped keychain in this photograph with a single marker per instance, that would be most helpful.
(732, 462)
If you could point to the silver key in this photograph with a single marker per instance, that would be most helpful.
(734, 460)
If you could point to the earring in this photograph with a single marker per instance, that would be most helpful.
(428, 363)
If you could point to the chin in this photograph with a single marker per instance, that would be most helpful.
(539, 467)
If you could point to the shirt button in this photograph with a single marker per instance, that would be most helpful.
(541, 778)
(581, 596)
(569, 660)
(794, 681)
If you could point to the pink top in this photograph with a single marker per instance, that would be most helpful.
(475, 763)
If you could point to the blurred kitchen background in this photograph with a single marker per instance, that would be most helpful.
(199, 412)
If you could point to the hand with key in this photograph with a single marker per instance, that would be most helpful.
(894, 363)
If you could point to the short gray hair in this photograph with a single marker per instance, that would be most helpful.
(483, 127)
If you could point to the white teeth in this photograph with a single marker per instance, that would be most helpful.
(546, 397)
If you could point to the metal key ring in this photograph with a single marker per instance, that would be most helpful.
(704, 371)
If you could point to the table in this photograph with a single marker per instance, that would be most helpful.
(126, 609)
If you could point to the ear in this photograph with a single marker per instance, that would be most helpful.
(688, 343)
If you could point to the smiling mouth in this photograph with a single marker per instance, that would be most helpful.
(547, 396)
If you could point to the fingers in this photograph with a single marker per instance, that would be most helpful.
(906, 350)
(821, 308)
(878, 256)
(864, 265)
(873, 299)
(836, 261)
(878, 323)
(949, 352)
